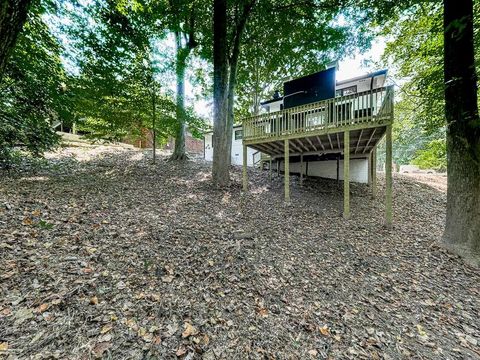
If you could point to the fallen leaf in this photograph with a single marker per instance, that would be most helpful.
(167, 278)
(42, 308)
(27, 221)
(100, 348)
(22, 315)
(324, 330)
(263, 312)
(313, 352)
(169, 269)
(91, 250)
(3, 346)
(56, 301)
(105, 338)
(181, 351)
(420, 330)
(142, 331)
(93, 300)
(189, 330)
(106, 329)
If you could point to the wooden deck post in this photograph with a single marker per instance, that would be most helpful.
(244, 170)
(369, 175)
(346, 175)
(301, 169)
(388, 177)
(374, 172)
(338, 169)
(287, 172)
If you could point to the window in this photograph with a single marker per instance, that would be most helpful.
(238, 134)
(350, 90)
(347, 91)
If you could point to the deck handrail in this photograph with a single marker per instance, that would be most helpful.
(364, 107)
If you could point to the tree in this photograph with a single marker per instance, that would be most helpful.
(13, 15)
(35, 91)
(415, 49)
(184, 17)
(462, 229)
(308, 25)
(221, 147)
(118, 91)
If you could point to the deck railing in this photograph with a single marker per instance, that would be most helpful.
(365, 107)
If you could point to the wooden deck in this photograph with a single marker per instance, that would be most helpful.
(319, 127)
(350, 125)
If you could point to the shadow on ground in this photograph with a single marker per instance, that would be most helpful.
(114, 257)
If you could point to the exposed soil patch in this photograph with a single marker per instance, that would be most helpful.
(106, 255)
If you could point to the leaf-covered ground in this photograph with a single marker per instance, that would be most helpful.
(105, 255)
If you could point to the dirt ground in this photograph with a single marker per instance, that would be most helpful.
(104, 255)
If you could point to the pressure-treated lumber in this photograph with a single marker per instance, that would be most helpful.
(374, 172)
(388, 177)
(287, 172)
(244, 170)
(346, 175)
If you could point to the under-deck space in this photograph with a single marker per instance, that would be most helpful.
(349, 126)
(362, 142)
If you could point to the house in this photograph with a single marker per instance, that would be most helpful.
(321, 127)
(311, 88)
(237, 145)
(306, 90)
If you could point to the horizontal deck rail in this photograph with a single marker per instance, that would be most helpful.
(373, 106)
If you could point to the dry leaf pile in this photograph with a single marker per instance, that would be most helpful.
(105, 255)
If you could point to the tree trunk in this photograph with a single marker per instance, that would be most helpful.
(13, 15)
(232, 81)
(154, 131)
(462, 230)
(221, 154)
(182, 54)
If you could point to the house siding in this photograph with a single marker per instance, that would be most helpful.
(328, 169)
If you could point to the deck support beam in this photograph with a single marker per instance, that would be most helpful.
(244, 170)
(287, 172)
(388, 177)
(346, 175)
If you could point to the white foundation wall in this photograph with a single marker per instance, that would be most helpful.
(237, 151)
(328, 169)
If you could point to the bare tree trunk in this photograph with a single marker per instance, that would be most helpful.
(154, 131)
(462, 229)
(182, 54)
(13, 15)
(232, 81)
(221, 154)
